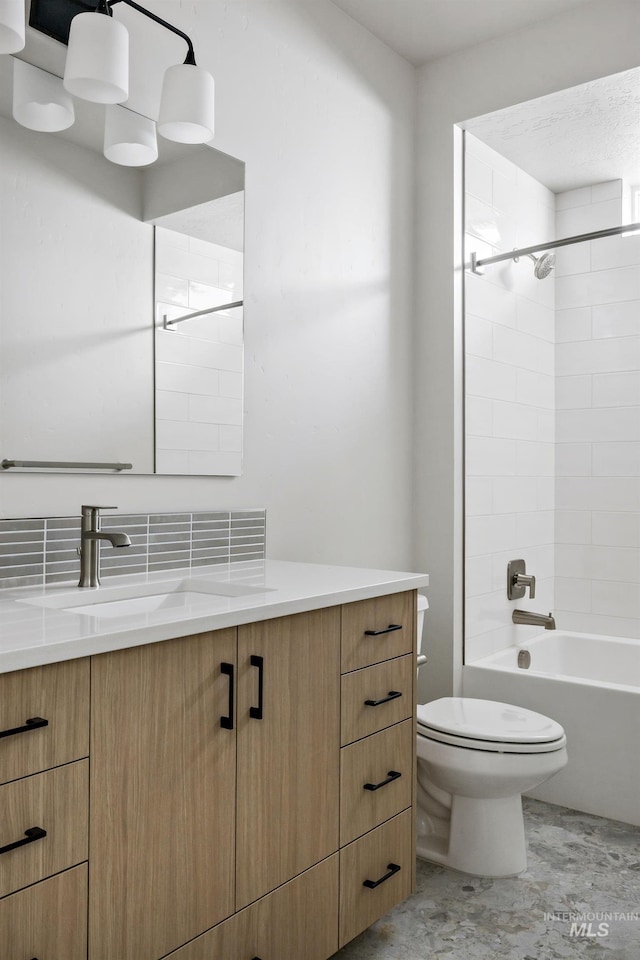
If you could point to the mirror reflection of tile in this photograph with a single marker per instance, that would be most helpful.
(198, 363)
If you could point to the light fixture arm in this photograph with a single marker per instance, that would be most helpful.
(190, 57)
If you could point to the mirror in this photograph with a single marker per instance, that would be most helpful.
(92, 257)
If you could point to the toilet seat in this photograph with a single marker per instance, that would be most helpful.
(489, 725)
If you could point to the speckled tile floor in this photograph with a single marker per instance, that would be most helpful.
(577, 863)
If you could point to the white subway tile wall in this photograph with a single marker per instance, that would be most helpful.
(597, 557)
(552, 371)
(42, 551)
(199, 364)
(510, 401)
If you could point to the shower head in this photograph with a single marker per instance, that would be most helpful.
(542, 266)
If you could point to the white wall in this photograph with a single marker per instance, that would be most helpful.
(594, 40)
(510, 390)
(598, 418)
(323, 115)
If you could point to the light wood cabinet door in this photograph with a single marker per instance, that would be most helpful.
(288, 748)
(47, 814)
(377, 629)
(376, 873)
(298, 921)
(376, 697)
(162, 796)
(47, 920)
(58, 694)
(376, 779)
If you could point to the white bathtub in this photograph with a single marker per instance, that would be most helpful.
(591, 685)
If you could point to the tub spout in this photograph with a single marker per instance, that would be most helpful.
(532, 619)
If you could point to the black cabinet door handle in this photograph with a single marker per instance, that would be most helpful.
(392, 695)
(391, 776)
(256, 712)
(378, 633)
(393, 868)
(227, 722)
(32, 724)
(33, 833)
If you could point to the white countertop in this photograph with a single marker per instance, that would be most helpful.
(35, 627)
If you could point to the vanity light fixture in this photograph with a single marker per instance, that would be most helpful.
(129, 139)
(97, 70)
(40, 102)
(11, 26)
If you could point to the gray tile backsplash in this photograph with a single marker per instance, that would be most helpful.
(37, 551)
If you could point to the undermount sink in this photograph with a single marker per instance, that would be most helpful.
(190, 593)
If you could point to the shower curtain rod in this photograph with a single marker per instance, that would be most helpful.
(478, 265)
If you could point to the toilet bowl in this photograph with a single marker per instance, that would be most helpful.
(475, 759)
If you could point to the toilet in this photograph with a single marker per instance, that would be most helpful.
(475, 760)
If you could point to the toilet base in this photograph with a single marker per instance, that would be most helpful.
(486, 838)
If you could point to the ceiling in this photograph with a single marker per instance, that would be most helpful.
(572, 138)
(584, 135)
(421, 30)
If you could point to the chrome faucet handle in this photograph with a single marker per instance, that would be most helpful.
(518, 580)
(526, 580)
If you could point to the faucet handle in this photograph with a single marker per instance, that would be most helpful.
(518, 580)
(86, 506)
(525, 580)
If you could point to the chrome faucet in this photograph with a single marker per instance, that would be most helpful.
(532, 619)
(90, 534)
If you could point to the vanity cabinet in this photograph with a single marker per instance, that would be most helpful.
(183, 734)
(288, 736)
(249, 791)
(44, 794)
(47, 921)
(162, 796)
(378, 738)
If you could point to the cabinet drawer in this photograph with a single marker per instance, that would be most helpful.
(377, 629)
(48, 920)
(384, 761)
(57, 693)
(376, 697)
(298, 920)
(55, 801)
(374, 860)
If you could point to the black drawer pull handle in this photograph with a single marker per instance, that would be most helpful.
(256, 712)
(389, 629)
(33, 833)
(227, 722)
(392, 695)
(32, 724)
(391, 776)
(393, 868)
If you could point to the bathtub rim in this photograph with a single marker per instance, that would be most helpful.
(490, 662)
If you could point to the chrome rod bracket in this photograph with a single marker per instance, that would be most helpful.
(479, 270)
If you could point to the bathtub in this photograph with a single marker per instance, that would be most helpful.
(591, 685)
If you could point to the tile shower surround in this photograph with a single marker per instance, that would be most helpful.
(44, 550)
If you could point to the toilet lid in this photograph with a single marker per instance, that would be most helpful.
(487, 720)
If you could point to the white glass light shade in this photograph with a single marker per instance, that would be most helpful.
(187, 104)
(129, 139)
(40, 102)
(97, 66)
(12, 20)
